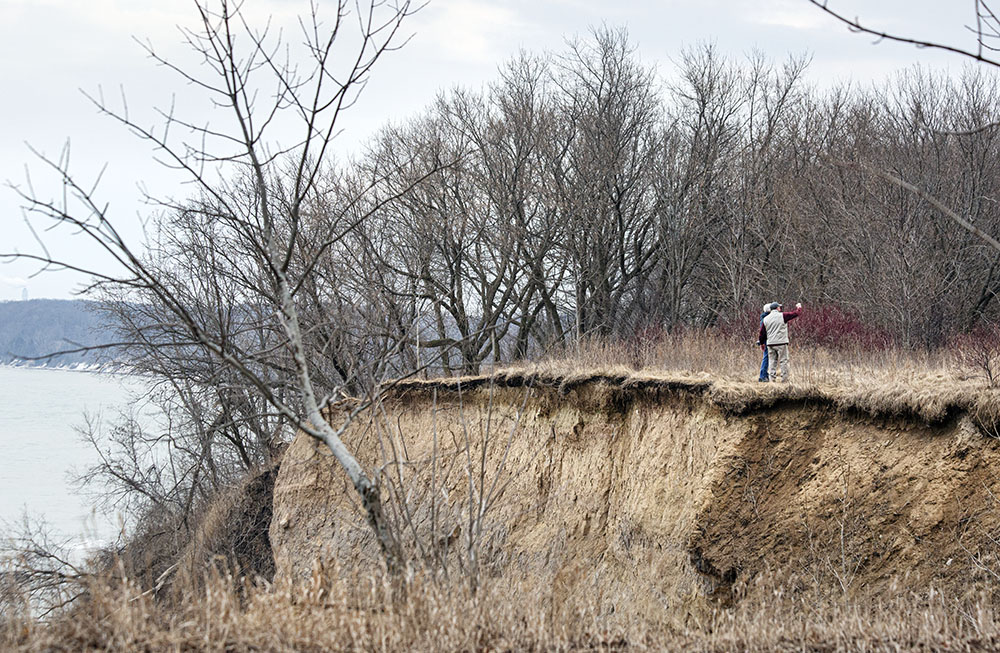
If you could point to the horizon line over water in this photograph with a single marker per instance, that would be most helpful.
(40, 412)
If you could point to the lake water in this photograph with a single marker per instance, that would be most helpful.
(41, 451)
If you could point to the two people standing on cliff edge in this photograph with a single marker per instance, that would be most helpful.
(773, 339)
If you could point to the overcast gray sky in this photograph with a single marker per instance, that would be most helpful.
(53, 49)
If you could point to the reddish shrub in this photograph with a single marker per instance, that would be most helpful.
(982, 336)
(741, 327)
(832, 327)
(825, 325)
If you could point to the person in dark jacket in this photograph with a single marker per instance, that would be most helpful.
(762, 377)
(774, 333)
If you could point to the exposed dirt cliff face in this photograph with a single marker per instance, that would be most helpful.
(658, 494)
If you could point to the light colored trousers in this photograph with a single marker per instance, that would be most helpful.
(777, 355)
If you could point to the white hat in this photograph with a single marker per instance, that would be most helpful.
(767, 308)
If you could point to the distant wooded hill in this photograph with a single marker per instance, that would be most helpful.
(38, 327)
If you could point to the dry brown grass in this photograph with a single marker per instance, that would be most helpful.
(334, 612)
(709, 355)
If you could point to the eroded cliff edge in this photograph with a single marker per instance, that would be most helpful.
(665, 492)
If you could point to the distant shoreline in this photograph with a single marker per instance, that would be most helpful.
(71, 367)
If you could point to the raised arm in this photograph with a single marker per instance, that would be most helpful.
(791, 315)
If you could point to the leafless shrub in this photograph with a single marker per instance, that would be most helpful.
(446, 504)
(41, 574)
(979, 352)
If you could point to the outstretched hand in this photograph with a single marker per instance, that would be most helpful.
(798, 305)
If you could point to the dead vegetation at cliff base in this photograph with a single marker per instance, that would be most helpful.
(337, 612)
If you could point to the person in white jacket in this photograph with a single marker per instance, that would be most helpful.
(774, 334)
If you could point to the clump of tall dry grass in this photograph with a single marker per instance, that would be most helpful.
(725, 357)
(343, 611)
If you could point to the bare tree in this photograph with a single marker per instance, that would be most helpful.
(603, 182)
(986, 31)
(254, 194)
